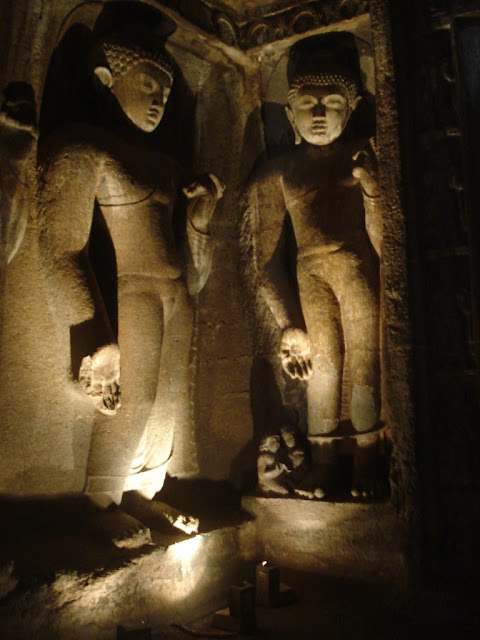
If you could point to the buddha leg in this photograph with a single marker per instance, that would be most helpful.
(321, 313)
(169, 407)
(360, 314)
(360, 318)
(115, 439)
(170, 422)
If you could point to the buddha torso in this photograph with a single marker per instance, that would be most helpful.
(323, 199)
(135, 187)
(136, 191)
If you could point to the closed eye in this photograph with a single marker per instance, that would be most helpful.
(307, 103)
(334, 102)
(147, 84)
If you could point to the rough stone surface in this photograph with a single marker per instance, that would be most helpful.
(222, 126)
(33, 369)
(348, 540)
(174, 582)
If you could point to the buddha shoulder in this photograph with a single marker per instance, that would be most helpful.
(269, 172)
(76, 145)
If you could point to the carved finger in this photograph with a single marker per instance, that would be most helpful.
(109, 402)
(219, 185)
(308, 362)
(305, 369)
(195, 190)
(289, 368)
(286, 358)
(115, 389)
(86, 383)
(359, 154)
(299, 369)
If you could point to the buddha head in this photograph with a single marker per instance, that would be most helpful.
(323, 88)
(139, 76)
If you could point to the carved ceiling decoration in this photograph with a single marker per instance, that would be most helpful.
(253, 23)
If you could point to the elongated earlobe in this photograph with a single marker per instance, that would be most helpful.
(105, 76)
(291, 119)
(354, 104)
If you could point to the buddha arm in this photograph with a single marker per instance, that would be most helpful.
(68, 180)
(200, 256)
(203, 195)
(366, 171)
(268, 211)
(373, 220)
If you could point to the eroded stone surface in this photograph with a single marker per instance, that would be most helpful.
(171, 582)
(135, 187)
(341, 539)
(328, 313)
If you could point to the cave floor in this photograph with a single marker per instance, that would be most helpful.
(73, 586)
(332, 608)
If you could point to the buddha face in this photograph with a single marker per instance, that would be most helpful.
(142, 92)
(320, 113)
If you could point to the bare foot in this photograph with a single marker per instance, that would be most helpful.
(120, 528)
(370, 480)
(314, 483)
(307, 493)
(187, 524)
(156, 514)
(320, 480)
(304, 493)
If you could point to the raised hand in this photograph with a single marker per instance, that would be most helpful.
(366, 172)
(203, 194)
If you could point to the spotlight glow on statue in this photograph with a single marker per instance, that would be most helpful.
(135, 186)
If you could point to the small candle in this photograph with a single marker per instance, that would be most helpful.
(267, 584)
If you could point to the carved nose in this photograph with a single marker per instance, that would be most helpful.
(159, 98)
(319, 110)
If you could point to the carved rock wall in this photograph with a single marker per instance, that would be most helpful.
(438, 107)
(46, 424)
(44, 428)
(227, 138)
